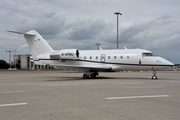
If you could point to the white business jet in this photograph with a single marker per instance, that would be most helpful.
(90, 62)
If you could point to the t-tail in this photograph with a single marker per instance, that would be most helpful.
(36, 43)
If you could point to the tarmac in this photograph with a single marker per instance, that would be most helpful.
(62, 95)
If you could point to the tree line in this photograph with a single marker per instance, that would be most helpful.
(5, 65)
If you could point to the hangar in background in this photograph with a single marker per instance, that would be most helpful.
(26, 63)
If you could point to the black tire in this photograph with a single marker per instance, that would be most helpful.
(85, 76)
(154, 77)
(93, 75)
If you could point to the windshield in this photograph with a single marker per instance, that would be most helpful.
(148, 54)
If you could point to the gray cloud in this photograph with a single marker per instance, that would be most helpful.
(87, 29)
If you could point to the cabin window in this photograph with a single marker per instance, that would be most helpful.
(90, 57)
(84, 57)
(121, 57)
(109, 57)
(96, 57)
(127, 57)
(114, 57)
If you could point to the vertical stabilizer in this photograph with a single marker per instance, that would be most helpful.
(36, 43)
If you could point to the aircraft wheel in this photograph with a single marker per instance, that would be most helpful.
(93, 75)
(154, 77)
(85, 76)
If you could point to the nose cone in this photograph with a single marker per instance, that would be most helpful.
(163, 63)
(166, 62)
(170, 63)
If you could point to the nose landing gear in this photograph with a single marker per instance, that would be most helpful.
(154, 77)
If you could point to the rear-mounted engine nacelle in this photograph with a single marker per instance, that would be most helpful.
(69, 54)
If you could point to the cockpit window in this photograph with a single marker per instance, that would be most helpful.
(148, 54)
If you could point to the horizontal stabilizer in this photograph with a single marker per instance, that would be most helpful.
(21, 33)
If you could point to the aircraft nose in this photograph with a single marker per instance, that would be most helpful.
(168, 63)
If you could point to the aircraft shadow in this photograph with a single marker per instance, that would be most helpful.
(97, 78)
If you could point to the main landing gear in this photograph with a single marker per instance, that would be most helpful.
(154, 75)
(92, 74)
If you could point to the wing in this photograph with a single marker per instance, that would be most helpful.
(85, 68)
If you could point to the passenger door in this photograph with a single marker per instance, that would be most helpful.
(103, 57)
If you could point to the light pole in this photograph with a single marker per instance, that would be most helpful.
(117, 13)
(9, 57)
(15, 58)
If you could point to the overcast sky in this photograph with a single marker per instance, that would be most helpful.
(148, 24)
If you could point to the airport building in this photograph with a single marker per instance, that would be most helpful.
(25, 62)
